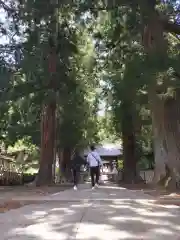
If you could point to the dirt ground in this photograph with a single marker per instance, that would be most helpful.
(6, 191)
(161, 195)
(7, 194)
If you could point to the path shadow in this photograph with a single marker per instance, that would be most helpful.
(112, 219)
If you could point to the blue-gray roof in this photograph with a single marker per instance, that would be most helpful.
(110, 150)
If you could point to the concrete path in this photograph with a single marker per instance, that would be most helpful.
(108, 213)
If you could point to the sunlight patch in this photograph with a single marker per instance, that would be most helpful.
(102, 232)
(44, 231)
(163, 231)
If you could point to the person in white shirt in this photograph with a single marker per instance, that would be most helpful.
(95, 163)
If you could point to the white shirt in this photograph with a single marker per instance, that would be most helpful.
(94, 159)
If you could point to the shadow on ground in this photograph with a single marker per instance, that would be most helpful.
(110, 219)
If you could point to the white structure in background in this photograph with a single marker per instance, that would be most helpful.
(109, 154)
(107, 150)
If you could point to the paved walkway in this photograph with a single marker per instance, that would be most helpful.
(108, 213)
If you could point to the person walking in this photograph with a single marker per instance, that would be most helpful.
(94, 162)
(76, 163)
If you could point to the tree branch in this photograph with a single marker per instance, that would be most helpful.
(148, 7)
(171, 27)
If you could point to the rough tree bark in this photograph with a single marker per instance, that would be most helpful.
(156, 48)
(165, 119)
(129, 143)
(160, 153)
(172, 133)
(66, 163)
(48, 125)
(47, 145)
(59, 152)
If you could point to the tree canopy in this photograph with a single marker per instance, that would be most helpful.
(60, 61)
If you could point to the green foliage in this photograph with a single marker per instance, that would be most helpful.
(106, 130)
(120, 164)
(93, 45)
(77, 108)
(24, 145)
(28, 86)
(27, 155)
(124, 77)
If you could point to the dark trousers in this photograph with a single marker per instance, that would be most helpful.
(94, 171)
(75, 177)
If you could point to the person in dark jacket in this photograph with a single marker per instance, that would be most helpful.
(76, 163)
